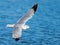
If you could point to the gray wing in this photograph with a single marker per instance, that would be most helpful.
(28, 16)
(17, 33)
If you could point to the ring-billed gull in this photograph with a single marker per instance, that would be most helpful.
(20, 25)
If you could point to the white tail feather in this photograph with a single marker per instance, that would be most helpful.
(10, 25)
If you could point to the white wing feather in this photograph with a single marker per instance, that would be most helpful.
(17, 33)
(26, 17)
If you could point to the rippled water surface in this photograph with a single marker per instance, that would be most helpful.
(44, 26)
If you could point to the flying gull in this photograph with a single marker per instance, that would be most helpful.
(20, 25)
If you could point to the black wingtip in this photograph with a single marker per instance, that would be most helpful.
(16, 39)
(35, 7)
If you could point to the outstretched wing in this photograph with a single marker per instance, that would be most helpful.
(28, 16)
(17, 33)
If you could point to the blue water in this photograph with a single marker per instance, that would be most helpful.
(44, 26)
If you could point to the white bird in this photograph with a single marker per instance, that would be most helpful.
(20, 25)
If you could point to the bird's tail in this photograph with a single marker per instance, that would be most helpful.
(10, 25)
